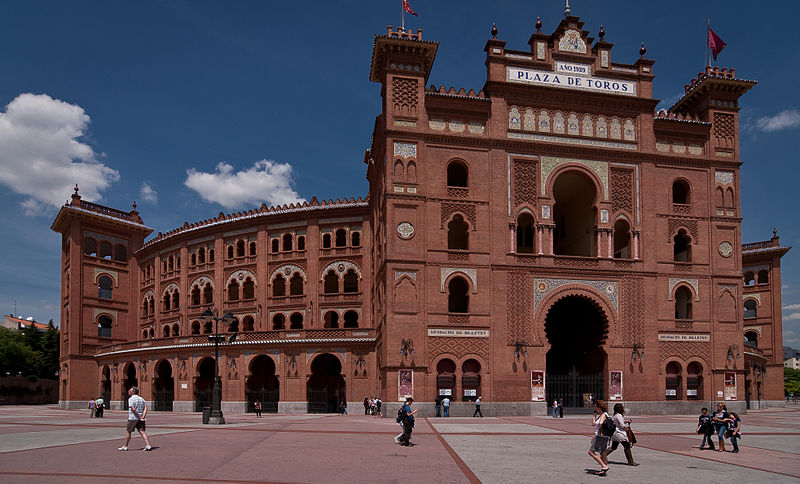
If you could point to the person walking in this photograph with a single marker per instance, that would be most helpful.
(597, 450)
(720, 420)
(137, 412)
(92, 407)
(620, 435)
(734, 431)
(446, 405)
(257, 408)
(560, 408)
(343, 408)
(705, 427)
(378, 405)
(366, 405)
(100, 405)
(408, 422)
(438, 403)
(555, 408)
(478, 407)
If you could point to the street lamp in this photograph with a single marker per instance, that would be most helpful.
(216, 394)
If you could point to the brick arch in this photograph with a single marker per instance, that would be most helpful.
(465, 216)
(599, 184)
(593, 295)
(684, 352)
(686, 284)
(110, 274)
(753, 298)
(481, 359)
(449, 273)
(526, 208)
(148, 293)
(202, 281)
(244, 273)
(292, 270)
(310, 357)
(248, 361)
(340, 267)
(171, 287)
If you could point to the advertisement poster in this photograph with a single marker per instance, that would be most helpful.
(615, 386)
(537, 386)
(730, 385)
(405, 385)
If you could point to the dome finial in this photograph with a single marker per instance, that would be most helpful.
(642, 51)
(494, 30)
(567, 12)
(538, 24)
(76, 188)
(602, 32)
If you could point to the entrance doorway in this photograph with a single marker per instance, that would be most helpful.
(326, 387)
(164, 387)
(262, 385)
(576, 328)
(129, 382)
(203, 384)
(574, 215)
(105, 384)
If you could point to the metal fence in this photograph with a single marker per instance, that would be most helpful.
(577, 390)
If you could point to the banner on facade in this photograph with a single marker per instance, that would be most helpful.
(615, 386)
(405, 385)
(537, 386)
(683, 337)
(459, 333)
(730, 385)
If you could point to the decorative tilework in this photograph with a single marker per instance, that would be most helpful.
(604, 216)
(724, 177)
(405, 230)
(469, 272)
(340, 267)
(457, 126)
(530, 120)
(513, 118)
(543, 287)
(604, 58)
(109, 272)
(558, 123)
(725, 249)
(540, 50)
(602, 127)
(546, 211)
(544, 121)
(288, 270)
(572, 41)
(406, 150)
(695, 149)
(549, 163)
(573, 141)
(679, 147)
(202, 281)
(727, 287)
(588, 129)
(674, 281)
(405, 124)
(476, 127)
(437, 124)
(757, 329)
(240, 276)
(399, 274)
(756, 296)
(174, 287)
(662, 146)
(630, 130)
(615, 131)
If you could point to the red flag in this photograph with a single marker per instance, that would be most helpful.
(715, 43)
(407, 8)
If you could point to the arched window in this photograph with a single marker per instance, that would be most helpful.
(331, 319)
(176, 299)
(301, 242)
(524, 233)
(296, 321)
(104, 287)
(398, 171)
(694, 381)
(196, 295)
(196, 327)
(208, 294)
(574, 214)
(446, 377)
(351, 281)
(763, 277)
(471, 379)
(152, 333)
(248, 323)
(683, 303)
(622, 239)
(457, 298)
(278, 321)
(166, 331)
(351, 319)
(105, 250)
(201, 255)
(287, 242)
(673, 381)
(278, 286)
(233, 290)
(252, 248)
(729, 198)
(355, 239)
(233, 326)
(90, 247)
(171, 264)
(751, 339)
(326, 241)
(210, 255)
(749, 279)
(682, 247)
(275, 246)
(176, 329)
(152, 305)
(193, 259)
(341, 238)
(457, 175)
(104, 326)
(750, 310)
(208, 327)
(331, 285)
(720, 197)
(296, 285)
(120, 253)
(681, 192)
(230, 252)
(166, 301)
(164, 265)
(144, 334)
(248, 289)
(240, 248)
(144, 307)
(458, 233)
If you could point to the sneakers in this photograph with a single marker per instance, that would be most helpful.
(396, 440)
(148, 448)
(123, 448)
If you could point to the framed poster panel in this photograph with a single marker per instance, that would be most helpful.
(615, 386)
(730, 385)
(537, 386)
(405, 384)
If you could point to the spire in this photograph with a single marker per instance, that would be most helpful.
(566, 8)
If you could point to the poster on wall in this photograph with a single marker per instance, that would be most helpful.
(615, 386)
(405, 385)
(730, 385)
(537, 386)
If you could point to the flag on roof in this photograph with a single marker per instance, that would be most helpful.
(407, 8)
(715, 43)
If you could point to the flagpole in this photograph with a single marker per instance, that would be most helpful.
(708, 47)
(402, 17)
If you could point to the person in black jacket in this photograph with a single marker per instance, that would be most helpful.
(705, 427)
(408, 422)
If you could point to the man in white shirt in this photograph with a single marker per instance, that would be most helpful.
(137, 411)
(446, 406)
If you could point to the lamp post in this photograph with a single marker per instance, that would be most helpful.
(216, 394)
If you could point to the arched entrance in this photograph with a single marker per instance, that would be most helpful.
(105, 385)
(576, 328)
(574, 214)
(262, 385)
(163, 387)
(326, 387)
(203, 384)
(129, 382)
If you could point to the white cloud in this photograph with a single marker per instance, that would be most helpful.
(791, 306)
(42, 156)
(266, 181)
(788, 118)
(792, 317)
(147, 194)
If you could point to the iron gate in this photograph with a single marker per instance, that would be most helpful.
(320, 400)
(268, 399)
(577, 390)
(162, 400)
(202, 398)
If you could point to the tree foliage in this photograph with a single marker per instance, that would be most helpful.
(791, 381)
(29, 352)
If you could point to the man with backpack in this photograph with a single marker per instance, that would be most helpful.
(407, 415)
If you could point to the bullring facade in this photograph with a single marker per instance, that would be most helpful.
(549, 236)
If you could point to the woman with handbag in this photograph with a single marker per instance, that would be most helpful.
(621, 434)
(597, 450)
(720, 420)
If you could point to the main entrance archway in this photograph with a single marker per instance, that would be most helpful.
(326, 387)
(576, 328)
(262, 385)
(163, 387)
(203, 384)
(129, 382)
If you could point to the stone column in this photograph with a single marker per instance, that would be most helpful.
(512, 227)
(539, 229)
(610, 244)
(635, 244)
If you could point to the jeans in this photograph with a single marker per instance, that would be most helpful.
(721, 429)
(438, 410)
(734, 441)
(555, 411)
(478, 411)
(707, 437)
(447, 411)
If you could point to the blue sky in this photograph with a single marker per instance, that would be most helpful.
(196, 107)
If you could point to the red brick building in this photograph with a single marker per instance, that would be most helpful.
(550, 236)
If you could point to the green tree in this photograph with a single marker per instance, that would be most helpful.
(16, 357)
(791, 380)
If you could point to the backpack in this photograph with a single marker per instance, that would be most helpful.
(609, 427)
(401, 416)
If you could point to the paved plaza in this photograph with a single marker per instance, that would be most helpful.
(42, 444)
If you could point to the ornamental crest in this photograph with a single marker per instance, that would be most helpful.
(572, 41)
(543, 287)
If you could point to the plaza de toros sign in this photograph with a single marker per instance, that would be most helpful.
(571, 75)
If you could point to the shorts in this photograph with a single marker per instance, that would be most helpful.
(599, 444)
(136, 425)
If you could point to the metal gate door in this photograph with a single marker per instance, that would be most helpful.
(268, 399)
(318, 400)
(162, 400)
(577, 390)
(202, 398)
